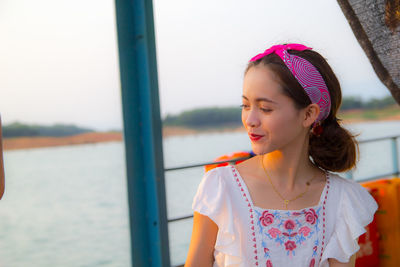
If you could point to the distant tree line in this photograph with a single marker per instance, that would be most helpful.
(17, 129)
(374, 103)
(206, 117)
(214, 117)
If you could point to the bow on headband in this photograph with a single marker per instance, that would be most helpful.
(278, 49)
(305, 73)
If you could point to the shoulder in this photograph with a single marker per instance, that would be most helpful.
(349, 189)
(212, 196)
(214, 184)
(356, 205)
(341, 181)
(219, 176)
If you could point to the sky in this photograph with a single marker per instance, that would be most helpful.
(59, 58)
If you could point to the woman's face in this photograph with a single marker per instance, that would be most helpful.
(270, 117)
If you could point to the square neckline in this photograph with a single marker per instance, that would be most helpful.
(320, 202)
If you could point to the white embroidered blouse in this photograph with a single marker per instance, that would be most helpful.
(252, 236)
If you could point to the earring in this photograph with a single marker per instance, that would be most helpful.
(317, 129)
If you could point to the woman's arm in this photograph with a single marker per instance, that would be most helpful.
(1, 164)
(335, 263)
(201, 248)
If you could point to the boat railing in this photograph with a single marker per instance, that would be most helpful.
(395, 171)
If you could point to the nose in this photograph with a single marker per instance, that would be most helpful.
(252, 119)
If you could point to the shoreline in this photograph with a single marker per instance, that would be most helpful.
(17, 143)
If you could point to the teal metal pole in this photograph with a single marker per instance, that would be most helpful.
(142, 133)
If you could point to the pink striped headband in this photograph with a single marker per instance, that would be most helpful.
(306, 74)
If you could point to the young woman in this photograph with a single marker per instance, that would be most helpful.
(285, 206)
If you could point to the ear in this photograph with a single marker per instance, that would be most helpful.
(310, 115)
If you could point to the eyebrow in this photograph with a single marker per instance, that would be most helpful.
(261, 99)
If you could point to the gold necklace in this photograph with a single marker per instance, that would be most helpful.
(285, 201)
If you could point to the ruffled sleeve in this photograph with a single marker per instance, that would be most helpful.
(213, 200)
(355, 211)
(209, 199)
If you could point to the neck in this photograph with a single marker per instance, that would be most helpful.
(289, 168)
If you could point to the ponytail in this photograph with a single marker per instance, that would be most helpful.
(336, 149)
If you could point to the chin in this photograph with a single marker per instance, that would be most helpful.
(259, 150)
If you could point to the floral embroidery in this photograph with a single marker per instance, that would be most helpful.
(286, 230)
(311, 216)
(266, 218)
(274, 232)
(291, 235)
(289, 230)
(290, 245)
(289, 225)
(304, 230)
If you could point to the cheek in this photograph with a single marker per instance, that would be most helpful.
(244, 118)
(281, 125)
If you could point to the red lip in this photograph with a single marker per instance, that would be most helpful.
(255, 137)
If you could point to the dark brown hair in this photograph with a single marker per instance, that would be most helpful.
(336, 149)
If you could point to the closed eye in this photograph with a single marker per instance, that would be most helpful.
(266, 110)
